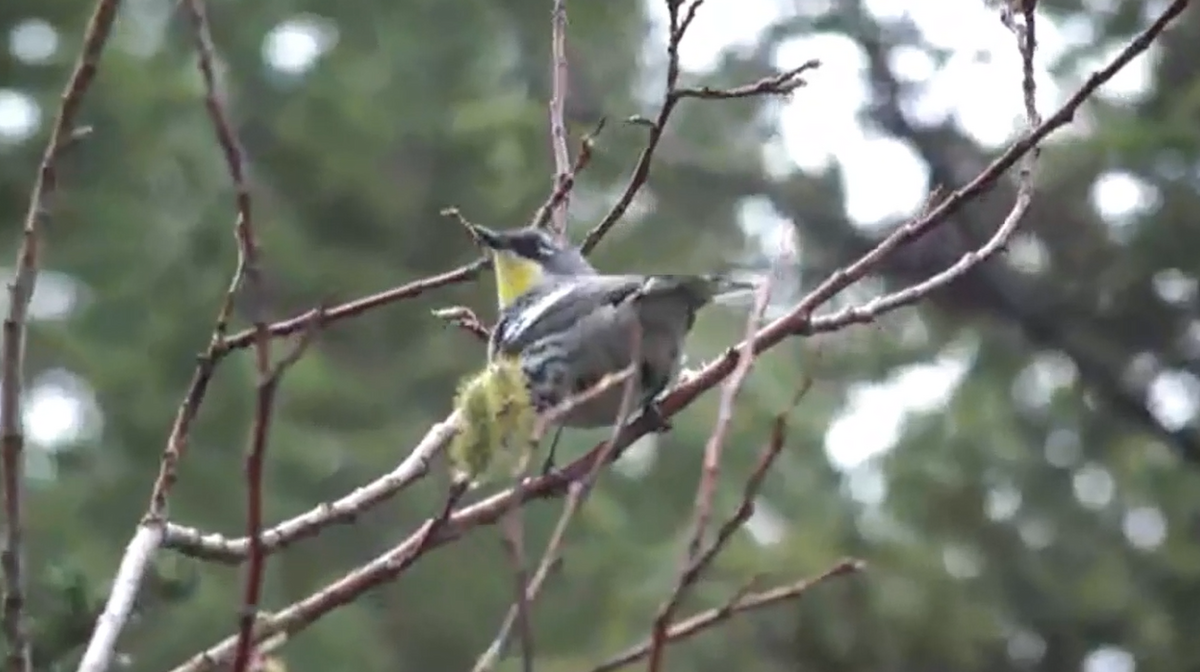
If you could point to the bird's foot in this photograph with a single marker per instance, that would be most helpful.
(659, 424)
(548, 466)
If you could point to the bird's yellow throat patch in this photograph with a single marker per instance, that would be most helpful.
(514, 276)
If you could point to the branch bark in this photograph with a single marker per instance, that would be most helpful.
(12, 368)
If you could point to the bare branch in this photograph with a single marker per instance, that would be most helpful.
(558, 127)
(151, 530)
(199, 544)
(562, 188)
(1026, 43)
(12, 365)
(704, 620)
(134, 564)
(344, 311)
(250, 272)
(578, 492)
(267, 387)
(707, 487)
(694, 561)
(678, 24)
(464, 318)
(514, 544)
(778, 85)
(641, 171)
(381, 570)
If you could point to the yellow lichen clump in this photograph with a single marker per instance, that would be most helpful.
(496, 421)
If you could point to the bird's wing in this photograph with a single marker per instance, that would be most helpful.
(558, 305)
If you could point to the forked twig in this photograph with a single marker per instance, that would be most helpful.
(678, 23)
(266, 390)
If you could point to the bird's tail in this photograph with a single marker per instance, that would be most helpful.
(699, 289)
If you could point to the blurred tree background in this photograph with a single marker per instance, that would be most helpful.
(1041, 511)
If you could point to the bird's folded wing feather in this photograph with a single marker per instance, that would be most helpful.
(559, 306)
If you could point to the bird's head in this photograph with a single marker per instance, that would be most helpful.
(526, 256)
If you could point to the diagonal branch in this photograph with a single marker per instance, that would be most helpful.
(249, 271)
(576, 496)
(704, 620)
(677, 27)
(197, 543)
(678, 23)
(151, 530)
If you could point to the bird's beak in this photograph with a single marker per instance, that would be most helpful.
(486, 237)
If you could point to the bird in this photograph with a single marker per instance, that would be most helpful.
(568, 326)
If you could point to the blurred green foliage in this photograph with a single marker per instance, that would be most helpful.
(1031, 521)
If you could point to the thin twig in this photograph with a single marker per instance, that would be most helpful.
(983, 182)
(249, 265)
(707, 488)
(346, 510)
(514, 543)
(1026, 42)
(578, 492)
(557, 202)
(558, 127)
(660, 631)
(464, 318)
(235, 163)
(641, 171)
(12, 364)
(267, 388)
(781, 84)
(704, 620)
(344, 311)
(343, 591)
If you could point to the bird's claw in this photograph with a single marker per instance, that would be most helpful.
(548, 466)
(659, 423)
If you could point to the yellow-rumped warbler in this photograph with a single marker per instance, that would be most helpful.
(569, 327)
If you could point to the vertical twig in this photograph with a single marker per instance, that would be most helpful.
(578, 493)
(711, 468)
(706, 489)
(558, 125)
(20, 293)
(513, 532)
(269, 377)
(151, 531)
